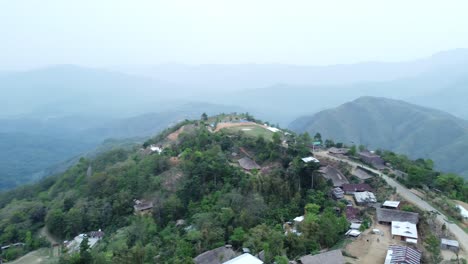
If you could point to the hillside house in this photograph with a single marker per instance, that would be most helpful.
(143, 207)
(372, 159)
(387, 216)
(337, 193)
(335, 175)
(338, 151)
(352, 214)
(361, 174)
(155, 148)
(248, 164)
(391, 205)
(448, 244)
(402, 255)
(216, 256)
(330, 257)
(74, 245)
(364, 198)
(463, 211)
(353, 188)
(245, 258)
(310, 159)
(405, 231)
(96, 234)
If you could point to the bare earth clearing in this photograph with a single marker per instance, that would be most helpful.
(175, 135)
(227, 125)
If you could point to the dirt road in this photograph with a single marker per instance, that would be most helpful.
(461, 236)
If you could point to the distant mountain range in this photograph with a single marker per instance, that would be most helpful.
(65, 110)
(395, 125)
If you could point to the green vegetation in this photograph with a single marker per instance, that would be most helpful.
(219, 202)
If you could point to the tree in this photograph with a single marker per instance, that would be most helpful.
(352, 150)
(329, 143)
(318, 137)
(204, 117)
(276, 138)
(432, 245)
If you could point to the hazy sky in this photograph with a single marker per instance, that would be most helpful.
(112, 32)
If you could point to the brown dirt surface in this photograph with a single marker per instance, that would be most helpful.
(371, 248)
(227, 125)
(175, 135)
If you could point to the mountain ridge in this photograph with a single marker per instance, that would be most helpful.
(396, 125)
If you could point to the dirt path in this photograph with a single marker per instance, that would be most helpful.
(45, 233)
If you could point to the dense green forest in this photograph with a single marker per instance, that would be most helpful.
(195, 179)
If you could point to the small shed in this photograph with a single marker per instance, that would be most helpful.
(448, 244)
(391, 205)
(310, 159)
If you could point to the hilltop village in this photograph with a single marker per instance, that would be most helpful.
(233, 189)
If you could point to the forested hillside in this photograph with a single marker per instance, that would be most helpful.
(195, 179)
(405, 128)
(31, 148)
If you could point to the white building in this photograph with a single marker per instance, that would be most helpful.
(244, 259)
(310, 159)
(391, 204)
(463, 211)
(406, 231)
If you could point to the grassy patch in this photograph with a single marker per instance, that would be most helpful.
(251, 131)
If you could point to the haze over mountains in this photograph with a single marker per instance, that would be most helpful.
(79, 107)
(395, 125)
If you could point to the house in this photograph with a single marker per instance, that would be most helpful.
(403, 255)
(405, 231)
(387, 216)
(361, 173)
(355, 226)
(335, 175)
(352, 214)
(338, 151)
(157, 149)
(391, 205)
(463, 211)
(352, 188)
(248, 164)
(447, 244)
(372, 159)
(245, 258)
(364, 198)
(216, 256)
(310, 159)
(143, 207)
(74, 245)
(353, 233)
(96, 234)
(330, 257)
(337, 193)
